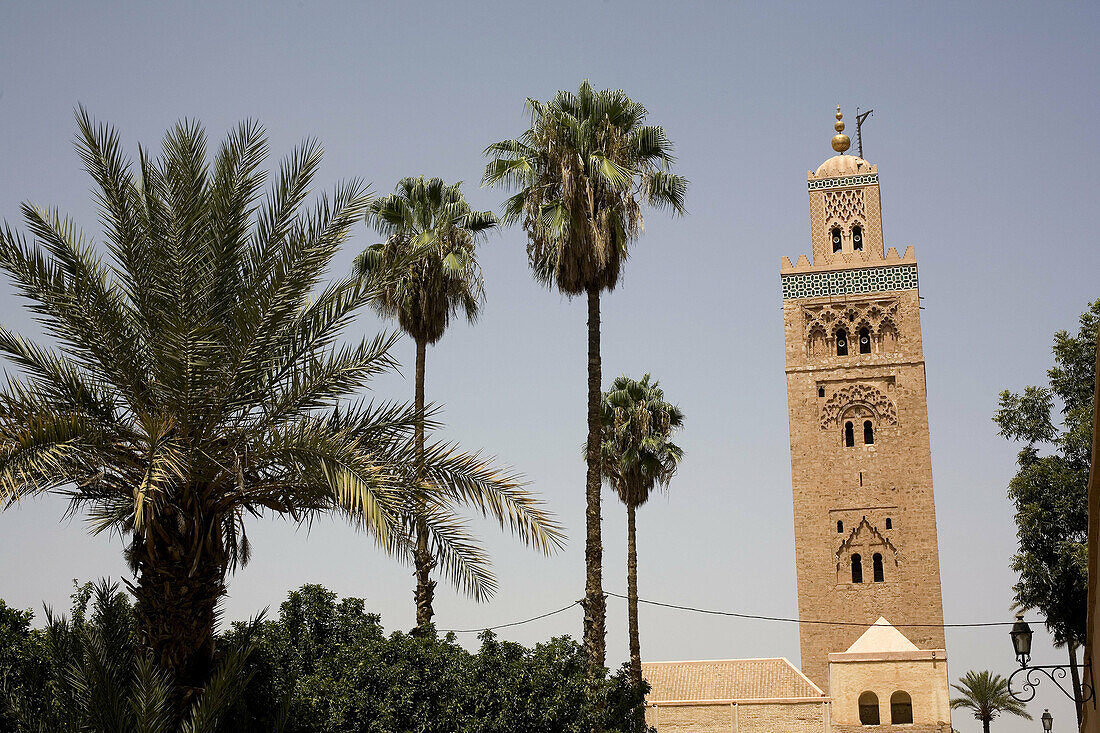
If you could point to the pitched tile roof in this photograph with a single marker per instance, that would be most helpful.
(727, 679)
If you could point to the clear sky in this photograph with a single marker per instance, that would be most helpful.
(984, 132)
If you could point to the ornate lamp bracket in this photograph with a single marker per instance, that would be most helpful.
(1054, 672)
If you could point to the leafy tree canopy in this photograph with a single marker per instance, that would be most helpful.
(1050, 489)
(324, 665)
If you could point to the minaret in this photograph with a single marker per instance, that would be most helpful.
(861, 469)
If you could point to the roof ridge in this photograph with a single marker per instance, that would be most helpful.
(711, 661)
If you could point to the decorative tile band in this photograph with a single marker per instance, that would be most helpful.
(862, 180)
(846, 282)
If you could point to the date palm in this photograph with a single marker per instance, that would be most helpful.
(430, 257)
(583, 170)
(638, 455)
(986, 695)
(197, 378)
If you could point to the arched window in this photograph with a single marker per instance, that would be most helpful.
(857, 238)
(842, 343)
(817, 342)
(864, 341)
(835, 234)
(868, 709)
(839, 526)
(889, 523)
(889, 336)
(901, 708)
(868, 432)
(857, 571)
(877, 563)
(849, 435)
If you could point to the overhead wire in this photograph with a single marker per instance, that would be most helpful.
(514, 623)
(735, 614)
(759, 617)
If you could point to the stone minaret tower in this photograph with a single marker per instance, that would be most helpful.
(861, 469)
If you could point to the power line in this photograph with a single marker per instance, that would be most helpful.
(758, 617)
(734, 614)
(514, 623)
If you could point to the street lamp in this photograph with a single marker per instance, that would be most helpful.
(1048, 721)
(1021, 640)
(1021, 644)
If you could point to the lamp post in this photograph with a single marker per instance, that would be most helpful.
(1021, 644)
(1048, 720)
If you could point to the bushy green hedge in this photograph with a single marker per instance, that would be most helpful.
(326, 665)
(330, 665)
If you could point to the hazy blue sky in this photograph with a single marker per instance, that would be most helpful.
(984, 132)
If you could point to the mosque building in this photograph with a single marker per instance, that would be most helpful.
(869, 599)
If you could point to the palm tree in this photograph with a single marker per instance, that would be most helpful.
(197, 380)
(430, 249)
(638, 455)
(94, 681)
(986, 695)
(582, 169)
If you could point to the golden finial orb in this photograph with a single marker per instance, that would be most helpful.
(841, 142)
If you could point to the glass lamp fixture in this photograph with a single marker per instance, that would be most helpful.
(1021, 639)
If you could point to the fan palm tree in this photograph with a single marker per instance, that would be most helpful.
(430, 252)
(583, 169)
(197, 379)
(986, 695)
(638, 455)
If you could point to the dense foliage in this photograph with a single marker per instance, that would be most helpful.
(325, 665)
(1050, 491)
(86, 673)
(342, 673)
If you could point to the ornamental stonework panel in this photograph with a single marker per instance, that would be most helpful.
(845, 206)
(867, 179)
(874, 315)
(858, 395)
(847, 282)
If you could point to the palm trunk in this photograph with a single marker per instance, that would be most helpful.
(177, 602)
(422, 556)
(595, 605)
(1075, 675)
(985, 725)
(632, 613)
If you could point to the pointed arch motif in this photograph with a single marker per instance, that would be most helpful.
(865, 541)
(858, 395)
(879, 316)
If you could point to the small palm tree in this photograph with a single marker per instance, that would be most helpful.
(986, 695)
(198, 379)
(583, 169)
(638, 455)
(430, 257)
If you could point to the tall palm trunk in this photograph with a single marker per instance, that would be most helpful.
(985, 725)
(177, 599)
(595, 605)
(632, 613)
(422, 556)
